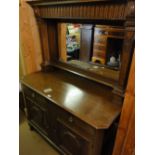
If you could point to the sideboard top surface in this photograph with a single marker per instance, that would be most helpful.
(87, 100)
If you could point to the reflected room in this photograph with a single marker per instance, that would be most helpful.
(95, 48)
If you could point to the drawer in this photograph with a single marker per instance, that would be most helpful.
(28, 92)
(100, 39)
(101, 54)
(100, 31)
(100, 47)
(42, 101)
(75, 123)
(35, 97)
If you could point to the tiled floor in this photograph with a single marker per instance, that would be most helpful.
(30, 142)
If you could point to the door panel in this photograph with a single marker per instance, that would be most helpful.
(37, 115)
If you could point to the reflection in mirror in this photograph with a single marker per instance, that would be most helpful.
(95, 48)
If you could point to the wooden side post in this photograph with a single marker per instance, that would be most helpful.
(62, 28)
(127, 50)
(124, 143)
(42, 24)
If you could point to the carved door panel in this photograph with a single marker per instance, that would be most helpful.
(37, 115)
(53, 113)
(70, 142)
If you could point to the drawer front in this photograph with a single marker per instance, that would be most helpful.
(75, 123)
(29, 92)
(35, 97)
(99, 47)
(100, 40)
(100, 32)
(70, 142)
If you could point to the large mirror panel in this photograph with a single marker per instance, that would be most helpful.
(94, 48)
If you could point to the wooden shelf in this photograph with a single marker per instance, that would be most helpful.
(85, 73)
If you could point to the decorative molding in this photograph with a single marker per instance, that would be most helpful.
(130, 14)
(130, 9)
(98, 11)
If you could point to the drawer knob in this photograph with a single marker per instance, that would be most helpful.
(70, 119)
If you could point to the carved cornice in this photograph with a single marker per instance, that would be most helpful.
(85, 9)
(89, 11)
(130, 14)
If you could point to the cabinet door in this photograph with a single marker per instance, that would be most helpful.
(37, 115)
(70, 142)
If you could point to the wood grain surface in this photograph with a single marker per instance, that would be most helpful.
(125, 139)
(87, 100)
